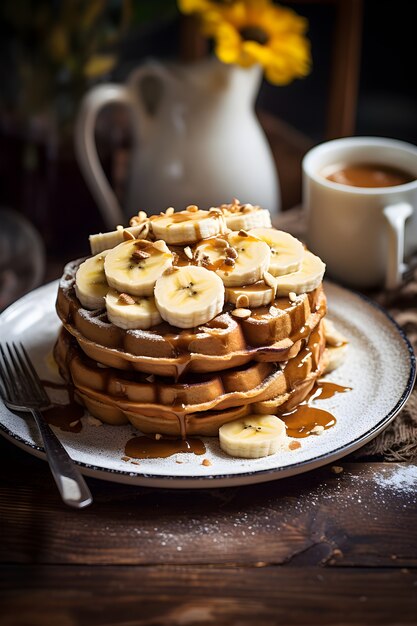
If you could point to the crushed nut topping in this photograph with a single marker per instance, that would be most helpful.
(294, 445)
(170, 210)
(124, 298)
(243, 233)
(158, 436)
(232, 253)
(242, 301)
(139, 255)
(192, 208)
(170, 270)
(242, 313)
(188, 252)
(229, 261)
(317, 430)
(206, 462)
(160, 245)
(292, 296)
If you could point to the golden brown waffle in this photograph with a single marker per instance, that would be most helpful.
(197, 405)
(223, 343)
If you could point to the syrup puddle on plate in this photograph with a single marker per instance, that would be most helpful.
(305, 420)
(146, 448)
(67, 416)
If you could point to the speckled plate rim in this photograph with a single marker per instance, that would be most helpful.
(246, 478)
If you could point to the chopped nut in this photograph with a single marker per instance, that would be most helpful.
(214, 211)
(317, 430)
(128, 236)
(135, 463)
(151, 378)
(158, 436)
(139, 255)
(274, 311)
(192, 208)
(119, 228)
(170, 210)
(242, 313)
(74, 423)
(179, 462)
(126, 459)
(221, 243)
(337, 469)
(242, 301)
(170, 270)
(294, 445)
(124, 298)
(160, 245)
(206, 462)
(229, 261)
(232, 253)
(243, 233)
(292, 296)
(188, 252)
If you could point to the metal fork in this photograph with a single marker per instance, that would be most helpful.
(22, 390)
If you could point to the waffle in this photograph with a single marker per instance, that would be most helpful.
(199, 404)
(222, 343)
(175, 325)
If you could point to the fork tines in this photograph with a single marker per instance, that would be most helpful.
(20, 382)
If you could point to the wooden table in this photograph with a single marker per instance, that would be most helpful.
(321, 548)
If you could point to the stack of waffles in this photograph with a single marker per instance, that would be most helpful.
(185, 321)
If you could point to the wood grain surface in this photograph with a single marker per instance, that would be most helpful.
(319, 548)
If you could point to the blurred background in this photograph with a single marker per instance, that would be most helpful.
(52, 52)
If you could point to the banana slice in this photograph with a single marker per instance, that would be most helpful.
(245, 216)
(336, 356)
(252, 296)
(189, 296)
(307, 278)
(188, 226)
(129, 312)
(333, 336)
(252, 437)
(242, 262)
(106, 241)
(134, 266)
(90, 282)
(286, 251)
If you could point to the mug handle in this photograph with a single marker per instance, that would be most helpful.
(86, 150)
(396, 216)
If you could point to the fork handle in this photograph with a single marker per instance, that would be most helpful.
(70, 482)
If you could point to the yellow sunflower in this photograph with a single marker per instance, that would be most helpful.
(247, 32)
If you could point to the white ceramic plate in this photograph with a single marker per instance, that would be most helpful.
(380, 368)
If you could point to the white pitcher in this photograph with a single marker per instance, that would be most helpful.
(196, 140)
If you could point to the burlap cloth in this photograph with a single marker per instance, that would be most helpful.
(398, 442)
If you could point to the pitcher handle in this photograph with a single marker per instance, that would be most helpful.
(396, 216)
(86, 150)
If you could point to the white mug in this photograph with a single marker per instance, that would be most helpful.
(363, 234)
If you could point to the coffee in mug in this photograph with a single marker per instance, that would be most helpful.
(367, 175)
(360, 198)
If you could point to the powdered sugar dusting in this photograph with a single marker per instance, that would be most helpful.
(398, 478)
